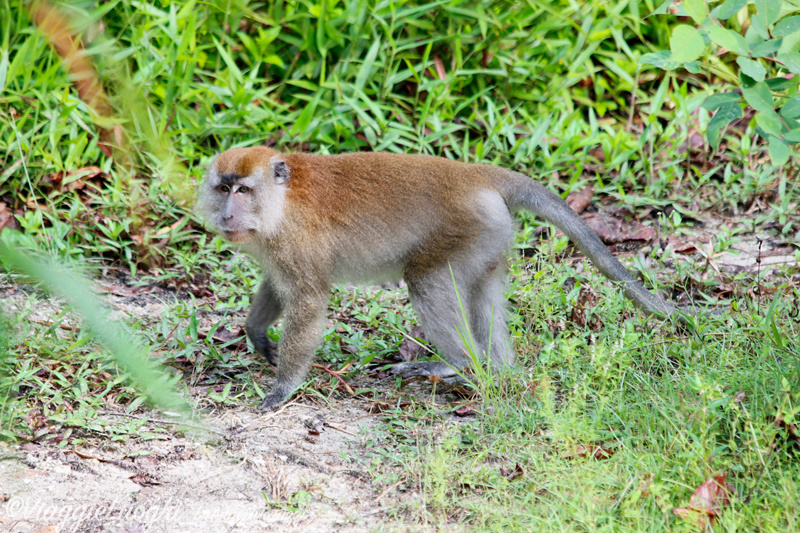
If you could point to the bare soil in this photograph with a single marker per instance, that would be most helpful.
(190, 483)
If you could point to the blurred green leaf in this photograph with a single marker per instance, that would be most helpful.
(752, 68)
(791, 61)
(768, 9)
(696, 9)
(728, 9)
(149, 378)
(728, 39)
(786, 26)
(758, 95)
(766, 48)
(686, 44)
(724, 116)
(718, 100)
(791, 108)
(661, 59)
(779, 151)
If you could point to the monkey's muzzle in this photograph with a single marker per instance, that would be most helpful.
(238, 236)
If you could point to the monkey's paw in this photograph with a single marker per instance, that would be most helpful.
(271, 401)
(264, 346)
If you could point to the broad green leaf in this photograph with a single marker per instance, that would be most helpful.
(728, 9)
(778, 151)
(696, 9)
(786, 26)
(793, 136)
(720, 121)
(770, 10)
(791, 109)
(752, 68)
(662, 9)
(766, 48)
(759, 25)
(757, 95)
(770, 123)
(727, 39)
(692, 66)
(686, 43)
(781, 84)
(718, 100)
(661, 59)
(791, 62)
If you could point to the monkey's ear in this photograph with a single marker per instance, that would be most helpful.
(279, 171)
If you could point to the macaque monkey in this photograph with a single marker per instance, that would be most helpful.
(313, 220)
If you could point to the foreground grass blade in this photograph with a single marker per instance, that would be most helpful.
(123, 347)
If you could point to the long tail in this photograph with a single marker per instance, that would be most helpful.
(520, 191)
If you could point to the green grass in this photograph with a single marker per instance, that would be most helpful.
(673, 408)
(546, 88)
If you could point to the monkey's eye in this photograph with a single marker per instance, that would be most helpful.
(244, 188)
(224, 188)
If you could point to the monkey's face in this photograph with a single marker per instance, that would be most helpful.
(242, 196)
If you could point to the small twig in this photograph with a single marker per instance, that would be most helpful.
(633, 102)
(337, 376)
(327, 425)
(389, 489)
(758, 273)
(279, 411)
(51, 323)
(164, 422)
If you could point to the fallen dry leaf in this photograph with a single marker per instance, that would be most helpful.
(439, 65)
(680, 246)
(222, 334)
(586, 299)
(7, 219)
(465, 410)
(580, 200)
(614, 230)
(588, 451)
(410, 349)
(511, 475)
(707, 502)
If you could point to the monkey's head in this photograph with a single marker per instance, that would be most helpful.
(243, 193)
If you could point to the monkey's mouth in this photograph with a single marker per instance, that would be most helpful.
(238, 235)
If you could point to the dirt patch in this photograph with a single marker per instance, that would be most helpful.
(303, 468)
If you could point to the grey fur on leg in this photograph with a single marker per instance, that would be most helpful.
(266, 308)
(479, 277)
(488, 317)
(302, 331)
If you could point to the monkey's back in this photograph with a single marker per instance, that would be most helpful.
(375, 213)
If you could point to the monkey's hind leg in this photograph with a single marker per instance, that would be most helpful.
(442, 315)
(488, 316)
(435, 303)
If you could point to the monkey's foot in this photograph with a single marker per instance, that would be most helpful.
(424, 368)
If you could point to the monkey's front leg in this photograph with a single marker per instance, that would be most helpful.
(265, 309)
(302, 329)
